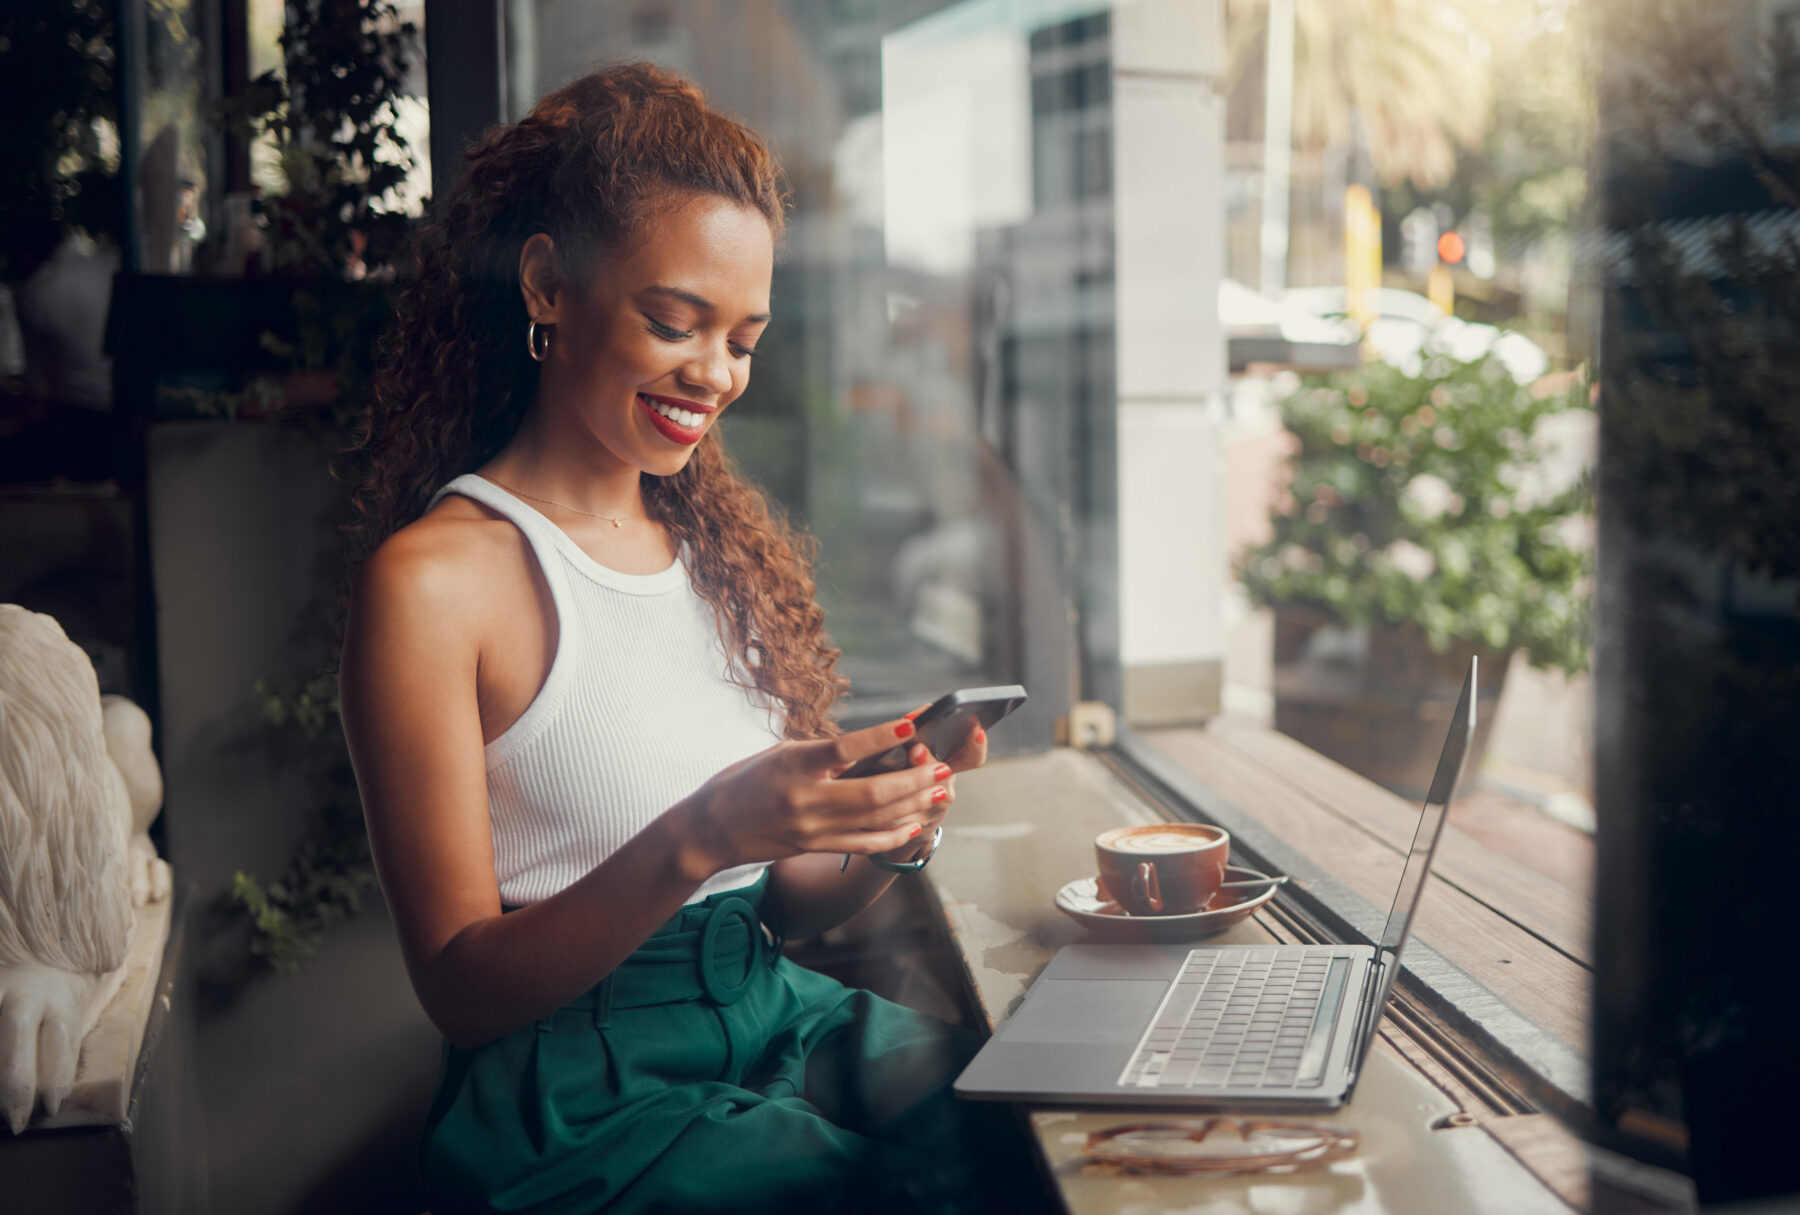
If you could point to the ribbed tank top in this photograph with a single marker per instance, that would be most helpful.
(637, 712)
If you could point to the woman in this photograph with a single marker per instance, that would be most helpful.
(587, 693)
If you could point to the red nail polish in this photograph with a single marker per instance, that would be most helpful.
(980, 734)
(914, 833)
(943, 770)
(939, 794)
(904, 730)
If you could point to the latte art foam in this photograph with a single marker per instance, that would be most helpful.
(1164, 841)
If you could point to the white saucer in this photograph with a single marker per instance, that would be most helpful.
(1082, 901)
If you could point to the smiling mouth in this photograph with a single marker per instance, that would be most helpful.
(678, 425)
(687, 419)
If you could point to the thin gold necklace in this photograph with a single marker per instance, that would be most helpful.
(592, 514)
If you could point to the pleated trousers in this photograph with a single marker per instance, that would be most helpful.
(708, 1073)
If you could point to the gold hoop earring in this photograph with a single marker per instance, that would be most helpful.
(539, 351)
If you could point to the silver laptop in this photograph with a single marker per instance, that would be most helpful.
(1218, 1026)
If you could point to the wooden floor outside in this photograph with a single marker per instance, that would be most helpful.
(1510, 897)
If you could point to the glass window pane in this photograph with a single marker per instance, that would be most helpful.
(172, 137)
(1406, 437)
(943, 330)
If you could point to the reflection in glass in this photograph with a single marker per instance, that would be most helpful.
(171, 174)
(1699, 615)
(943, 307)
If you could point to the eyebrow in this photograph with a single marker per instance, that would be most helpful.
(698, 301)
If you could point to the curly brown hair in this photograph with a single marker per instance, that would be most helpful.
(589, 166)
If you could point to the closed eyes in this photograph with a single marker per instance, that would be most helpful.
(669, 333)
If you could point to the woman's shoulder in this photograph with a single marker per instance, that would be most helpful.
(457, 555)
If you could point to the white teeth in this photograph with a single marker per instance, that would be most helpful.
(686, 418)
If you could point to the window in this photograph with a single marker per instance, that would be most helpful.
(931, 398)
(997, 388)
(1034, 334)
(164, 145)
(1373, 547)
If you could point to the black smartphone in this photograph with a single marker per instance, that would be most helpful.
(945, 727)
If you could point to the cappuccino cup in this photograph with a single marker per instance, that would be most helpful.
(1162, 868)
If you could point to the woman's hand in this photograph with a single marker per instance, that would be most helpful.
(786, 801)
(972, 755)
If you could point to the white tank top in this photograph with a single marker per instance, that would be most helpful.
(638, 711)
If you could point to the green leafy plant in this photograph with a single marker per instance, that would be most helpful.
(333, 112)
(341, 221)
(1419, 499)
(331, 871)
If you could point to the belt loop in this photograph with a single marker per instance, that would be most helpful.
(603, 1004)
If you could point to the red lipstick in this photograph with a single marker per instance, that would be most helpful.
(670, 429)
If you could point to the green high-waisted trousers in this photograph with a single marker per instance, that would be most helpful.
(707, 1073)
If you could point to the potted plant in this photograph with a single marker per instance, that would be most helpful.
(1419, 527)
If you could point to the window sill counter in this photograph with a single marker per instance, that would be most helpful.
(1020, 830)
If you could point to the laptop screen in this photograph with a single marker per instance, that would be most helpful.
(1437, 805)
(1418, 863)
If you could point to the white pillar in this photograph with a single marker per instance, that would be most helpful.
(1278, 142)
(1168, 170)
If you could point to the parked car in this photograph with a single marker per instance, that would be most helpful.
(1406, 327)
(1282, 334)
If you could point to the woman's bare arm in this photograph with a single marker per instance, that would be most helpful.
(410, 710)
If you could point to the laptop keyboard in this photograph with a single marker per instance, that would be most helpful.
(1243, 1018)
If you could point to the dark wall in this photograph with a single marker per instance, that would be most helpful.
(312, 1087)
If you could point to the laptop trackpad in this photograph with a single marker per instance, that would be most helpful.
(1085, 1011)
